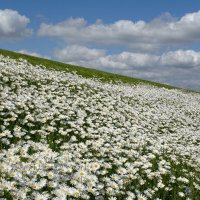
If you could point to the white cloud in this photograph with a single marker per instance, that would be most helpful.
(180, 68)
(89, 57)
(81, 55)
(180, 58)
(139, 35)
(135, 59)
(32, 54)
(13, 25)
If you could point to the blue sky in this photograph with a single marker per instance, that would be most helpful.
(154, 40)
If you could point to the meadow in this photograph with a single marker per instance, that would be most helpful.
(75, 133)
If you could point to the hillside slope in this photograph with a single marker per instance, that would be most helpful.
(64, 136)
(84, 72)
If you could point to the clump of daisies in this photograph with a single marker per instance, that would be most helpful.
(67, 137)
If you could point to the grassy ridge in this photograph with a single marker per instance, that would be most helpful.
(85, 72)
(66, 137)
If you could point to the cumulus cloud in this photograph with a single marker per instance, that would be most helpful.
(13, 25)
(180, 58)
(180, 68)
(89, 57)
(140, 35)
(32, 54)
(77, 54)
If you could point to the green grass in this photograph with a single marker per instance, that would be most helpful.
(86, 72)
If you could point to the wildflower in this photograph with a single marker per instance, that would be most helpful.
(52, 184)
(39, 196)
(160, 185)
(50, 175)
(81, 173)
(182, 179)
(181, 194)
(141, 197)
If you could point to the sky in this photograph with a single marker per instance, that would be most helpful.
(152, 40)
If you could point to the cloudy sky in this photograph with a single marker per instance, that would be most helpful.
(154, 40)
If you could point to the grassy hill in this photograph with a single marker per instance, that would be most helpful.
(67, 135)
(85, 72)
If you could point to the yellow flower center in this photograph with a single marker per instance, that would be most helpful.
(82, 173)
